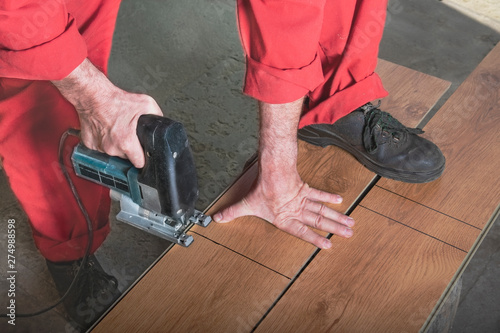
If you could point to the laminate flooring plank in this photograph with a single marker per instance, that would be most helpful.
(232, 273)
(467, 129)
(421, 218)
(412, 95)
(410, 239)
(203, 288)
(386, 278)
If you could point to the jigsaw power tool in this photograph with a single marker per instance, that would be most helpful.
(160, 197)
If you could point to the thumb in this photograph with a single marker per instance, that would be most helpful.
(232, 212)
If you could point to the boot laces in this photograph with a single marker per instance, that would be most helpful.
(94, 280)
(381, 127)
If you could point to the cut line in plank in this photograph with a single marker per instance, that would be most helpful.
(466, 129)
(461, 269)
(258, 263)
(437, 211)
(413, 228)
(193, 290)
(306, 292)
(256, 286)
(377, 281)
(421, 218)
(412, 95)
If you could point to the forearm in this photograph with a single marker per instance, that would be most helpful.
(85, 87)
(278, 140)
(279, 195)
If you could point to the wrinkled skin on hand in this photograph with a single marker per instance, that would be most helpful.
(108, 115)
(279, 195)
(110, 126)
(294, 212)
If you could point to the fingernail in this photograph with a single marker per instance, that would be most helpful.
(217, 217)
(348, 232)
(327, 244)
(350, 221)
(339, 199)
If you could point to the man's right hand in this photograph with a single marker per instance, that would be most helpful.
(108, 115)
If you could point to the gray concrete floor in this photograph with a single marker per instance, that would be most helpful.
(188, 57)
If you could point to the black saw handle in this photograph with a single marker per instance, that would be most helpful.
(169, 167)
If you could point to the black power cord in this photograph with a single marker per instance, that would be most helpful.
(76, 133)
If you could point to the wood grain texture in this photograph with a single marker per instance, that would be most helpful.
(224, 285)
(331, 169)
(386, 278)
(421, 218)
(203, 288)
(403, 84)
(390, 275)
(467, 131)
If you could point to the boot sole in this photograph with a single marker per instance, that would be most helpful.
(304, 134)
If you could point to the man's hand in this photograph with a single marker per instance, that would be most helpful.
(293, 211)
(279, 195)
(108, 115)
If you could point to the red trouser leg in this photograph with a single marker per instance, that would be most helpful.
(33, 116)
(325, 49)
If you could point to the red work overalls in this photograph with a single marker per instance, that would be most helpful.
(326, 50)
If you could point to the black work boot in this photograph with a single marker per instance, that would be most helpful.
(382, 144)
(91, 295)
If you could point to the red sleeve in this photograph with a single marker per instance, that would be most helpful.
(39, 40)
(280, 39)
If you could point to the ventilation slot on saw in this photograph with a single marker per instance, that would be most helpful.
(103, 178)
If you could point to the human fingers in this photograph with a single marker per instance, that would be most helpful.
(232, 212)
(300, 230)
(323, 223)
(123, 139)
(323, 210)
(318, 195)
(90, 135)
(134, 152)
